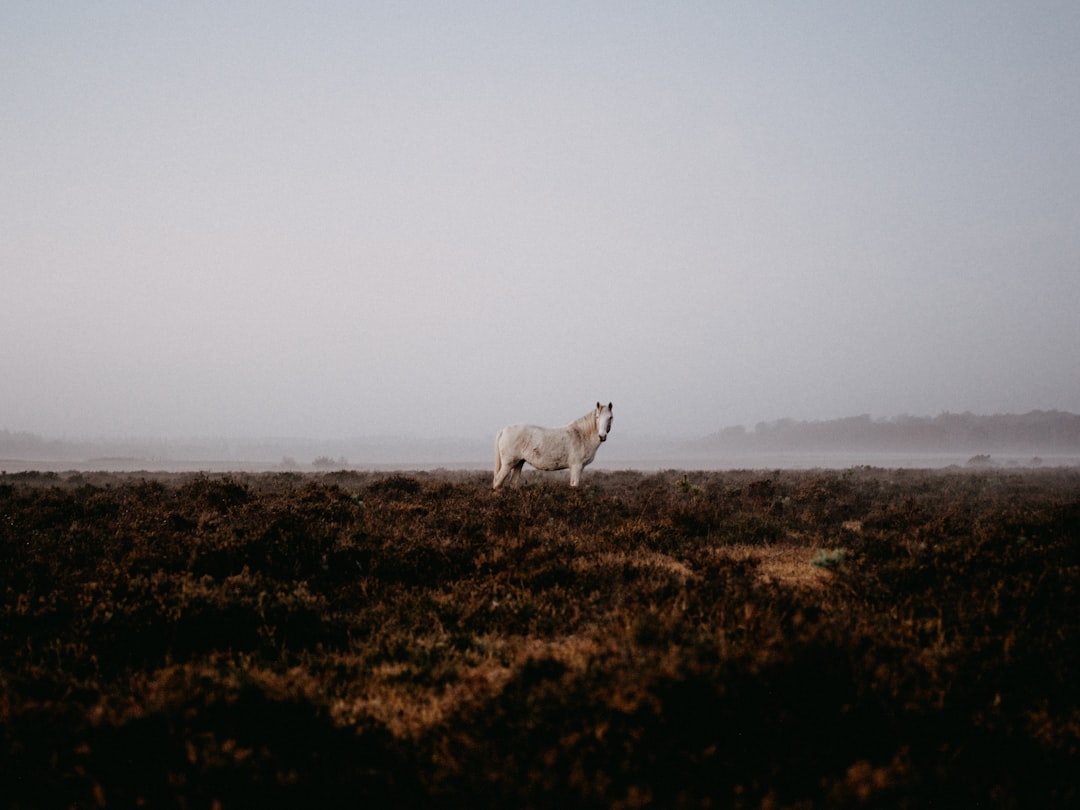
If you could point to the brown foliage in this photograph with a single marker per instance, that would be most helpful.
(744, 639)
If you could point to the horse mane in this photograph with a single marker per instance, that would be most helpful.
(585, 425)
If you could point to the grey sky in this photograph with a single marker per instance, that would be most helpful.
(343, 219)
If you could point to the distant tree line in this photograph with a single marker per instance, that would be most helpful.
(30, 445)
(321, 453)
(1042, 431)
(21, 445)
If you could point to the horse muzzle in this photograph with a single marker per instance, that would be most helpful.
(603, 438)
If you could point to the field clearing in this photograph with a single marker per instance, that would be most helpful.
(845, 638)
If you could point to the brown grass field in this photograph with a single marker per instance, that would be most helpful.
(859, 638)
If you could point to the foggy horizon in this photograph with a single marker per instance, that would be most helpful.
(410, 220)
(948, 439)
(391, 438)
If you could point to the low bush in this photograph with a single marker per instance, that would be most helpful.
(855, 638)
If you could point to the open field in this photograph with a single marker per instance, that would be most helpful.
(849, 638)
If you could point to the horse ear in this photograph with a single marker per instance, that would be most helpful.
(609, 406)
(598, 405)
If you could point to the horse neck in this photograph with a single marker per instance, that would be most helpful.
(586, 426)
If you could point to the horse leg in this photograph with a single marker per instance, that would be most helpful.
(575, 474)
(503, 471)
(515, 473)
(506, 471)
(504, 468)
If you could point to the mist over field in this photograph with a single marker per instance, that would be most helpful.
(431, 220)
(1032, 439)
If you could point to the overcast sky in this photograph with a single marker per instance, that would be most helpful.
(351, 219)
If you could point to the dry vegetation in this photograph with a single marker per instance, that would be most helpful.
(866, 638)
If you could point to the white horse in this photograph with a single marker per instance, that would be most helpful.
(573, 446)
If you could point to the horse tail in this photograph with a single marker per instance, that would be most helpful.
(498, 454)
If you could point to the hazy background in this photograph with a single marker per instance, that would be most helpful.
(431, 219)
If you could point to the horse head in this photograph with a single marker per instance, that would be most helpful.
(603, 420)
